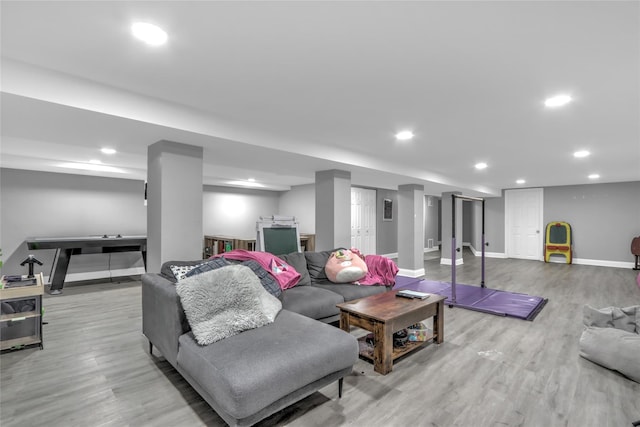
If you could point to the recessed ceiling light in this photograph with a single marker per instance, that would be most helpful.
(520, 181)
(581, 153)
(594, 176)
(149, 33)
(557, 101)
(481, 166)
(405, 135)
(107, 150)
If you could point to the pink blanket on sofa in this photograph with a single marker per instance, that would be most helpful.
(286, 276)
(382, 271)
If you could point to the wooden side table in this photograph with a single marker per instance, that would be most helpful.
(21, 318)
(385, 313)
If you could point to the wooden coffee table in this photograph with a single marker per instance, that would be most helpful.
(385, 313)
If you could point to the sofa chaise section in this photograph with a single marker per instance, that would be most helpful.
(256, 373)
(251, 375)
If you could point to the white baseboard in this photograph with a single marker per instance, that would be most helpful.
(494, 255)
(502, 255)
(594, 262)
(488, 254)
(447, 261)
(395, 254)
(411, 273)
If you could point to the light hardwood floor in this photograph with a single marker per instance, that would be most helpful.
(490, 371)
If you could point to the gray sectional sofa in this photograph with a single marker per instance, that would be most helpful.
(249, 376)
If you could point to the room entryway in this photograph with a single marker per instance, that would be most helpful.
(363, 220)
(523, 223)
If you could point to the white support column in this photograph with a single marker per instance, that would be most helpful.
(411, 230)
(333, 209)
(174, 203)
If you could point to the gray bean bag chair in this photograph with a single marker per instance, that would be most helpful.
(611, 338)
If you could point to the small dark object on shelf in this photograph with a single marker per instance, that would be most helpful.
(30, 260)
(400, 338)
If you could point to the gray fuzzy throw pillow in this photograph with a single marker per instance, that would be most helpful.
(224, 302)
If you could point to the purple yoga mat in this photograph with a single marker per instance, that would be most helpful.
(486, 300)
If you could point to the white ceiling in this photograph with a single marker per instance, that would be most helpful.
(278, 90)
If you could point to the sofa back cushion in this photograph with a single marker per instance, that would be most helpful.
(298, 261)
(315, 265)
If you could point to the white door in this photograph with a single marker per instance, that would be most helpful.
(523, 223)
(363, 220)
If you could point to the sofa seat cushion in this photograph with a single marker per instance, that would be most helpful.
(311, 301)
(349, 291)
(249, 371)
(315, 265)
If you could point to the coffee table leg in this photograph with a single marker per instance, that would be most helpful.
(438, 323)
(383, 349)
(344, 321)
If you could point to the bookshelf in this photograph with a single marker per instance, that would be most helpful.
(214, 245)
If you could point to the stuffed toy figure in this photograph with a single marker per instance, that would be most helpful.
(344, 266)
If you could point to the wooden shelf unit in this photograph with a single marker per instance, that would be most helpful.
(27, 323)
(366, 349)
(214, 245)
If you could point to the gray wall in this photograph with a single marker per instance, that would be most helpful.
(387, 231)
(333, 209)
(43, 204)
(467, 221)
(473, 224)
(494, 224)
(300, 202)
(431, 220)
(604, 218)
(234, 211)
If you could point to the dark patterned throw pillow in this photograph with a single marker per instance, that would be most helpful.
(212, 264)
